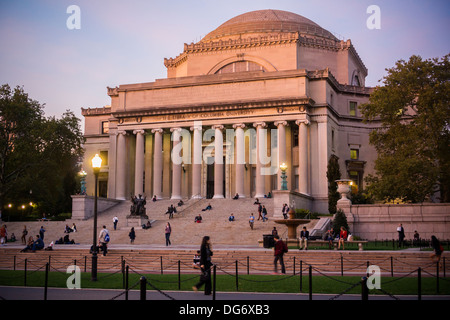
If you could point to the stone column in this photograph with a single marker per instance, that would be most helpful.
(303, 155)
(281, 147)
(121, 166)
(218, 162)
(260, 187)
(176, 166)
(240, 159)
(139, 164)
(157, 163)
(197, 163)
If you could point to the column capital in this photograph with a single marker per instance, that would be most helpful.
(304, 121)
(217, 127)
(200, 128)
(260, 124)
(281, 122)
(175, 129)
(239, 125)
(121, 132)
(157, 130)
(139, 131)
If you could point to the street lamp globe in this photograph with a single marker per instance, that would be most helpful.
(96, 162)
(283, 166)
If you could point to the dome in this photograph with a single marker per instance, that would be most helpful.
(267, 21)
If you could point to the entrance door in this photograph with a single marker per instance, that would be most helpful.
(210, 178)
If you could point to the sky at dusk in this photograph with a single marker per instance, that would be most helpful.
(121, 42)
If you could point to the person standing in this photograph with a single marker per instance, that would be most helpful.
(24, 235)
(205, 266)
(304, 236)
(115, 221)
(41, 233)
(279, 250)
(401, 235)
(3, 235)
(168, 231)
(260, 211)
(438, 249)
(132, 235)
(264, 213)
(103, 240)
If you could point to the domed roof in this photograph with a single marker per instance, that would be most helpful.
(267, 21)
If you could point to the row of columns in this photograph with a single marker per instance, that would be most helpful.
(218, 160)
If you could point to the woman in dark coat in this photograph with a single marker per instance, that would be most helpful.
(438, 249)
(205, 266)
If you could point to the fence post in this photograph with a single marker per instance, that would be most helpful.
(248, 265)
(301, 276)
(419, 284)
(123, 273)
(437, 277)
(364, 289)
(14, 263)
(25, 274)
(160, 259)
(392, 267)
(126, 282)
(85, 263)
(294, 266)
(46, 281)
(143, 288)
(179, 275)
(310, 282)
(237, 276)
(342, 266)
(214, 282)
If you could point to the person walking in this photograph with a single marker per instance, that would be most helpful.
(438, 249)
(259, 212)
(115, 221)
(205, 266)
(401, 235)
(132, 235)
(251, 220)
(279, 250)
(168, 231)
(264, 213)
(103, 240)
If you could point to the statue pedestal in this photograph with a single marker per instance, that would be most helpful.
(136, 221)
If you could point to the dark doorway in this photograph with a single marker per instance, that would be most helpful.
(210, 178)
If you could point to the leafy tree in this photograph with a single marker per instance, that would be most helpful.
(38, 155)
(333, 174)
(340, 220)
(413, 142)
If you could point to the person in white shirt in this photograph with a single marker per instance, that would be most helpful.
(103, 240)
(115, 220)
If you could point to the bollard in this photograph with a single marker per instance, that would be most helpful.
(364, 289)
(143, 288)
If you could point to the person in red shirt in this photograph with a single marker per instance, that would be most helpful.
(342, 237)
(279, 250)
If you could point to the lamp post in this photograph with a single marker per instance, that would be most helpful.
(96, 164)
(283, 168)
(83, 174)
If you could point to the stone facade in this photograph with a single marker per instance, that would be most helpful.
(265, 87)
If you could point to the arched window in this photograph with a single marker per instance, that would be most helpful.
(240, 66)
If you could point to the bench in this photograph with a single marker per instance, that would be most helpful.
(313, 243)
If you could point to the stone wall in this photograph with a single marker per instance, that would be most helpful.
(380, 221)
(83, 206)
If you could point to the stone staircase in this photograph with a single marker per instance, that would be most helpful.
(184, 231)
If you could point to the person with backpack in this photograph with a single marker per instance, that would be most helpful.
(280, 249)
(103, 240)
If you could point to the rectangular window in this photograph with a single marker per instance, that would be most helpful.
(354, 154)
(105, 127)
(352, 108)
(104, 156)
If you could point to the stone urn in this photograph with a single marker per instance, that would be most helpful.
(344, 188)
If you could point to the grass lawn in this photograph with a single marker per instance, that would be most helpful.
(247, 283)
